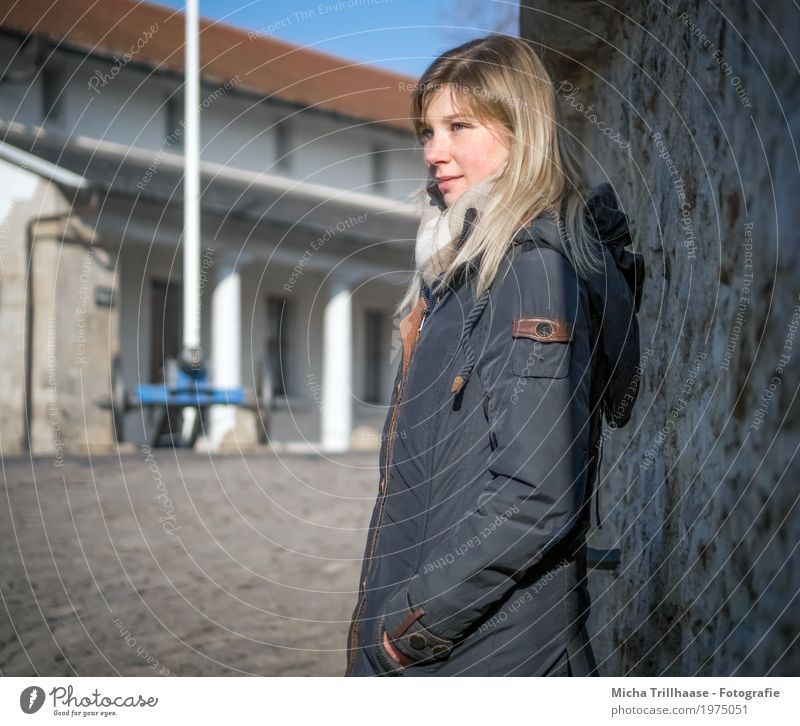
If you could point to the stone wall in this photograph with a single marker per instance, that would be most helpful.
(20, 199)
(691, 110)
(75, 338)
(74, 331)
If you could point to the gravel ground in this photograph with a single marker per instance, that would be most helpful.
(174, 562)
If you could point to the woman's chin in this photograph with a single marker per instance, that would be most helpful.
(451, 195)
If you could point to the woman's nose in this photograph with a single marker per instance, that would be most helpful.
(437, 152)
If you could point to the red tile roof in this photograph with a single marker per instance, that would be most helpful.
(265, 65)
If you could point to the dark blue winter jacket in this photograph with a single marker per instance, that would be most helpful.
(475, 561)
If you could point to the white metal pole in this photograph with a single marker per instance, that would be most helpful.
(191, 183)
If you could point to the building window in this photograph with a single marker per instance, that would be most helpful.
(283, 146)
(174, 129)
(375, 349)
(380, 174)
(166, 326)
(277, 344)
(52, 95)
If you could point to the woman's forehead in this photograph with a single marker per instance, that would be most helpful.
(444, 102)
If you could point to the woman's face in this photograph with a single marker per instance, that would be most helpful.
(460, 151)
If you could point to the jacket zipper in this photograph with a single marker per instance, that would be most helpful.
(430, 308)
(355, 624)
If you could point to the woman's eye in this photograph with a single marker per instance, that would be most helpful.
(427, 134)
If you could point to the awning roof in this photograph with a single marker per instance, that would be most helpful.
(81, 162)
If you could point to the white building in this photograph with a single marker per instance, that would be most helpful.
(308, 167)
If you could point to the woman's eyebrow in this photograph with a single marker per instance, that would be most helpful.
(451, 117)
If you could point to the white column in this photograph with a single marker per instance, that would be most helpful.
(337, 367)
(226, 348)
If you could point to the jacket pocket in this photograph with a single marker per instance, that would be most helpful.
(533, 358)
(541, 347)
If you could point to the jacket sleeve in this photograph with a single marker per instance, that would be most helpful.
(535, 369)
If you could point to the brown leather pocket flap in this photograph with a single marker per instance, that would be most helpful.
(545, 330)
(541, 347)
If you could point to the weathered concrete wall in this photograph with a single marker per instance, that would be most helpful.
(693, 114)
(74, 338)
(20, 199)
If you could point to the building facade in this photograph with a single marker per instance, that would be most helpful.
(309, 170)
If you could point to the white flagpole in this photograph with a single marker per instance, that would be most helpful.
(192, 352)
(191, 184)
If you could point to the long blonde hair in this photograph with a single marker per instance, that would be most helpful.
(501, 79)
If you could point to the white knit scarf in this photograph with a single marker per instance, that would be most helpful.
(439, 230)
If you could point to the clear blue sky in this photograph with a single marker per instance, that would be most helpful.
(399, 35)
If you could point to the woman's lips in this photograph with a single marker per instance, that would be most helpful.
(446, 183)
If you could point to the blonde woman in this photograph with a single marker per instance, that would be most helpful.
(519, 335)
